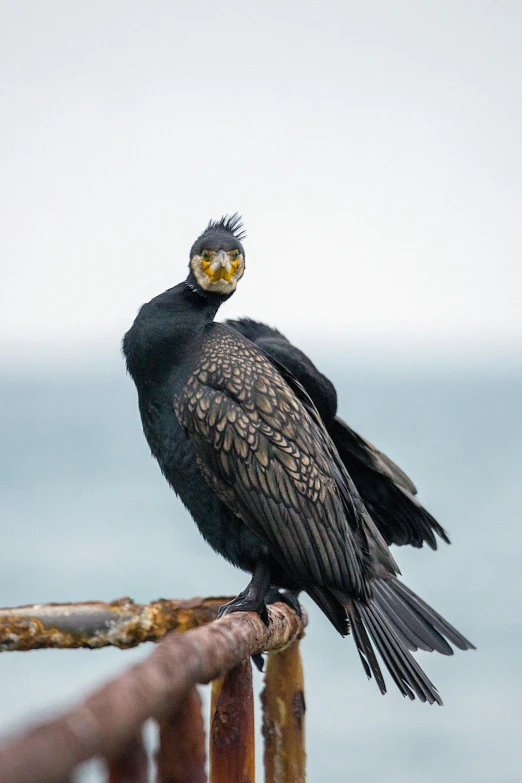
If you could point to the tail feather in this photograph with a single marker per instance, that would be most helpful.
(391, 666)
(394, 622)
(415, 631)
(407, 604)
(364, 646)
(406, 672)
(368, 622)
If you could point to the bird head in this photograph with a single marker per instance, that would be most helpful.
(217, 258)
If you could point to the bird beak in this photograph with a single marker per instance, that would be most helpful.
(221, 267)
(221, 261)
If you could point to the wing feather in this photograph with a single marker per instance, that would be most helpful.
(387, 492)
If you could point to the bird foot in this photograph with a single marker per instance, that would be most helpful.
(245, 603)
(276, 595)
(288, 597)
(250, 602)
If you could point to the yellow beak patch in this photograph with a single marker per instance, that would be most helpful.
(217, 270)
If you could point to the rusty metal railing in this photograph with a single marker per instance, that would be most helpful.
(108, 724)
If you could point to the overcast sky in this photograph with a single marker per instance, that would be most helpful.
(374, 149)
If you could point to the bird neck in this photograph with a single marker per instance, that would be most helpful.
(205, 300)
(167, 330)
(183, 312)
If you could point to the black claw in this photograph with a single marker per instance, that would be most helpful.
(264, 615)
(222, 611)
(242, 604)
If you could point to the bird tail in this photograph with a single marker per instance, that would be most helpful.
(418, 625)
(394, 622)
(367, 620)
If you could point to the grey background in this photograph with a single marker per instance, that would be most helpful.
(374, 151)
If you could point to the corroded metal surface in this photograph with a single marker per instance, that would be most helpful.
(93, 624)
(108, 719)
(181, 755)
(232, 735)
(283, 717)
(131, 766)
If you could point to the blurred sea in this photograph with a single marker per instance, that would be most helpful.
(85, 514)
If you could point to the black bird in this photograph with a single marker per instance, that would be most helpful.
(243, 445)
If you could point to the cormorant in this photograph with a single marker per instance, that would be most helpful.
(241, 442)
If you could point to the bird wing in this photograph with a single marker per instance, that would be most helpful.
(274, 465)
(382, 486)
(290, 359)
(365, 452)
(386, 491)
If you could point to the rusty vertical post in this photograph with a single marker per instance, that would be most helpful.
(232, 748)
(283, 717)
(181, 754)
(131, 766)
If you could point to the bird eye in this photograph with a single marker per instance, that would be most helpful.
(235, 254)
(205, 255)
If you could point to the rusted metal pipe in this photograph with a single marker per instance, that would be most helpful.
(94, 624)
(111, 716)
(232, 735)
(131, 766)
(181, 755)
(283, 717)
